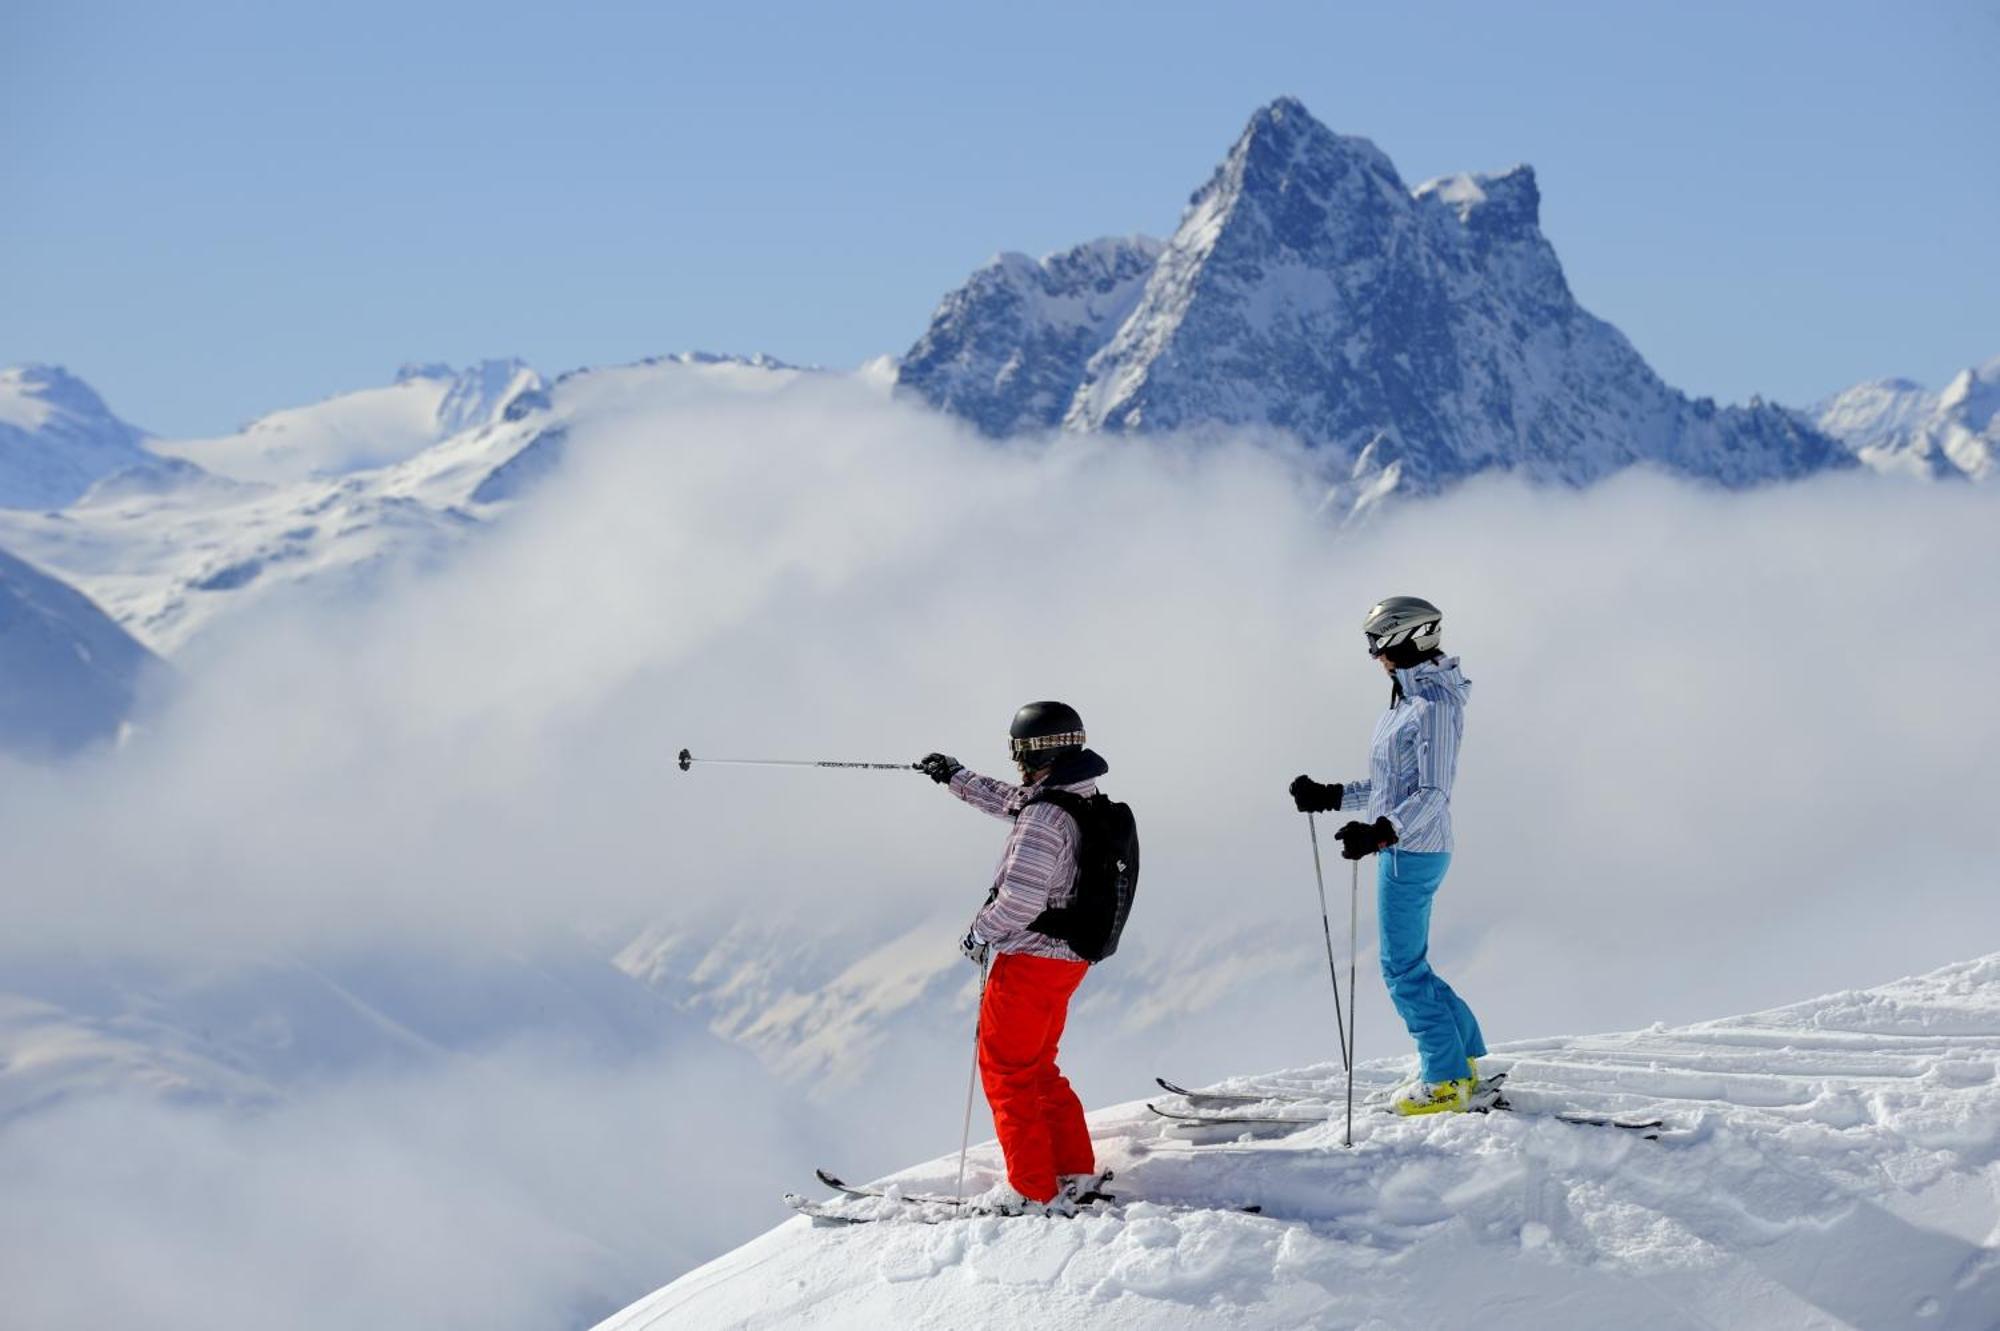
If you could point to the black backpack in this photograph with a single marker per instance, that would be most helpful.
(1107, 875)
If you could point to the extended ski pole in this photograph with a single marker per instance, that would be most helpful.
(1353, 918)
(971, 1081)
(1332, 971)
(687, 760)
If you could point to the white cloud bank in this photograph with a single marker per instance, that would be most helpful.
(1723, 751)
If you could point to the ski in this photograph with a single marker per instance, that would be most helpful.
(839, 1185)
(905, 1210)
(924, 1211)
(1218, 1099)
(1096, 1193)
(1230, 1120)
(1649, 1128)
(1487, 1097)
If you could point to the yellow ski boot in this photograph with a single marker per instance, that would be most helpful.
(1436, 1097)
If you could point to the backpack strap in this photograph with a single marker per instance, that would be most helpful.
(1068, 801)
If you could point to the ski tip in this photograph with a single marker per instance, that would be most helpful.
(830, 1181)
(1170, 1088)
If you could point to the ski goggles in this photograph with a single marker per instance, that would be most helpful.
(1034, 744)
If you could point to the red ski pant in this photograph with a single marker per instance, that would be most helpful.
(1037, 1115)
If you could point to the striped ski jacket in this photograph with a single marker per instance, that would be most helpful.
(1037, 869)
(1414, 756)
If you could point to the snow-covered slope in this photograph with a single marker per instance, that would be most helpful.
(374, 427)
(1414, 336)
(68, 675)
(1896, 425)
(168, 565)
(1835, 1163)
(171, 549)
(57, 438)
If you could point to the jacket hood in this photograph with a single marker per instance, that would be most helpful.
(1438, 675)
(1084, 765)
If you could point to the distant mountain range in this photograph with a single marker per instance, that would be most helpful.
(1895, 425)
(371, 428)
(105, 530)
(1412, 337)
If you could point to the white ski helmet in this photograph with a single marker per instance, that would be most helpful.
(1401, 620)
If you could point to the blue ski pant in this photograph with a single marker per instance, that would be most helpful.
(1445, 1030)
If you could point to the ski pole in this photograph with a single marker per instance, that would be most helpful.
(1326, 929)
(971, 1081)
(688, 759)
(1353, 916)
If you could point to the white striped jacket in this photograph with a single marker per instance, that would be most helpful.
(1037, 869)
(1414, 756)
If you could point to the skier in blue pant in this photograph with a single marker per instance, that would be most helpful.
(1407, 801)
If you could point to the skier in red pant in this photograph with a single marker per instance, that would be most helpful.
(1043, 924)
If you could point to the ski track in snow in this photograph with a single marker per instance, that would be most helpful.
(1831, 1164)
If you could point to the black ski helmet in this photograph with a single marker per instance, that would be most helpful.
(1404, 629)
(1044, 732)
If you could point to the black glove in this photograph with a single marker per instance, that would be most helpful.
(1359, 839)
(939, 767)
(1312, 797)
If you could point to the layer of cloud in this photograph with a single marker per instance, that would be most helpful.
(480, 1194)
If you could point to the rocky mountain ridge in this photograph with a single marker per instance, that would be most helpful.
(1409, 337)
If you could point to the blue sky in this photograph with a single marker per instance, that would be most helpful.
(215, 210)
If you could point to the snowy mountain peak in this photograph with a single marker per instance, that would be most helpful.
(372, 427)
(483, 394)
(1290, 187)
(755, 361)
(1007, 350)
(58, 438)
(30, 394)
(1507, 203)
(1897, 425)
(1099, 265)
(1410, 337)
(1284, 147)
(478, 395)
(1975, 391)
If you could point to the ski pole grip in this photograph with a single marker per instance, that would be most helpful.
(686, 760)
